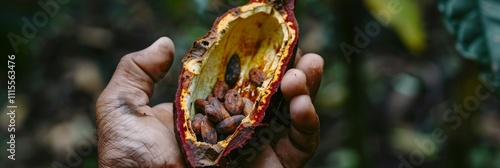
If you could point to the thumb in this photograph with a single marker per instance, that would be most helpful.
(134, 78)
(154, 60)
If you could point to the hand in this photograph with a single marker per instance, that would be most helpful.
(132, 134)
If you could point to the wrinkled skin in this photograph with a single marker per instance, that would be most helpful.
(133, 134)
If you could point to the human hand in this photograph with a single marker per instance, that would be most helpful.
(132, 134)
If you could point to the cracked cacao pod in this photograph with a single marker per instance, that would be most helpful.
(241, 62)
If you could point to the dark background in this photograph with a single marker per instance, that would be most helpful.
(389, 104)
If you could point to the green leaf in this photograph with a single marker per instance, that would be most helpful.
(476, 27)
(404, 17)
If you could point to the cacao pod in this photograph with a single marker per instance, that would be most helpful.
(261, 35)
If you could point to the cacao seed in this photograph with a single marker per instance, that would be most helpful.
(199, 105)
(233, 70)
(196, 124)
(248, 106)
(220, 89)
(229, 125)
(234, 102)
(210, 96)
(215, 102)
(215, 111)
(208, 132)
(257, 76)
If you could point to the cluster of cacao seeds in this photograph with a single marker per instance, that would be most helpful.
(222, 111)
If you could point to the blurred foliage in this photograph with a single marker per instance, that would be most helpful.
(404, 17)
(476, 27)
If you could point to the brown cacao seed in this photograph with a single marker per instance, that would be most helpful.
(229, 125)
(199, 105)
(215, 111)
(210, 96)
(196, 124)
(234, 102)
(233, 69)
(257, 76)
(208, 132)
(220, 89)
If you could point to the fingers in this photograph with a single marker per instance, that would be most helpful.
(305, 122)
(298, 86)
(294, 83)
(312, 66)
(134, 78)
(297, 148)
